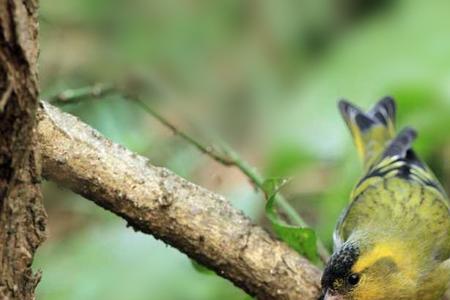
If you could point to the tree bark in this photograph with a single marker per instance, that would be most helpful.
(22, 217)
(155, 201)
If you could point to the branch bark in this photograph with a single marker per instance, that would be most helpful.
(155, 201)
(22, 217)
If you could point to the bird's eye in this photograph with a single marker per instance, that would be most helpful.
(353, 279)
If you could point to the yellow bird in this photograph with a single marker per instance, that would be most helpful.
(393, 239)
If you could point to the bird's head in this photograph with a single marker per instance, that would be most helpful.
(379, 271)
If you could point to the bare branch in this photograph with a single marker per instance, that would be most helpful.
(155, 201)
(227, 156)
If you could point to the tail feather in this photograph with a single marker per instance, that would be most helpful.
(401, 144)
(384, 153)
(384, 112)
(371, 131)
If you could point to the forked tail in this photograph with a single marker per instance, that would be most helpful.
(371, 131)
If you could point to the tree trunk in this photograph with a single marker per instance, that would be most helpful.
(22, 216)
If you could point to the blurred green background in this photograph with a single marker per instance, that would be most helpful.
(265, 76)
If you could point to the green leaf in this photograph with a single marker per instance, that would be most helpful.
(301, 239)
(271, 186)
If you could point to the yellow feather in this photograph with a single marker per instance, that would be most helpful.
(394, 250)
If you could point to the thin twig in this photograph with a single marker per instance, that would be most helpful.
(208, 150)
(259, 180)
(70, 96)
(229, 157)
